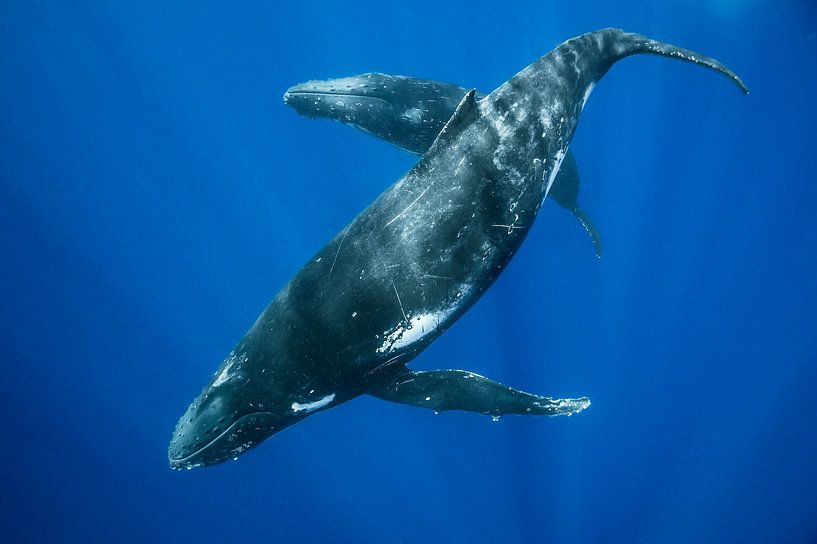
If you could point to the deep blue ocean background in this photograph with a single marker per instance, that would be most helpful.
(155, 193)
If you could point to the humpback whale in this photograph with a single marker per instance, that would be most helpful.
(410, 264)
(410, 113)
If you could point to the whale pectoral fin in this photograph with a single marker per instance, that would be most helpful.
(442, 390)
(590, 228)
(565, 192)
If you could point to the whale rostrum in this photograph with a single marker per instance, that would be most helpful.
(410, 264)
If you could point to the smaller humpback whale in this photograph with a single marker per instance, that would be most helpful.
(410, 113)
(410, 264)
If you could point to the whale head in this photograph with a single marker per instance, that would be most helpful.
(237, 411)
(360, 101)
(404, 111)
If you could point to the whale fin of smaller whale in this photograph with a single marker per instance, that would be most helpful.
(466, 113)
(445, 390)
(590, 228)
(565, 192)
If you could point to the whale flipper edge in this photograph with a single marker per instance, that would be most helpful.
(590, 228)
(445, 390)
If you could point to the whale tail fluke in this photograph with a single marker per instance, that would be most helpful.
(614, 44)
(580, 62)
(623, 44)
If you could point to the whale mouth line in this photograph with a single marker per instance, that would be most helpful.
(349, 94)
(183, 462)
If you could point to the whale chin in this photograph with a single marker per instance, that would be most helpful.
(186, 451)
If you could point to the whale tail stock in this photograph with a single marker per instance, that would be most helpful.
(569, 72)
(595, 52)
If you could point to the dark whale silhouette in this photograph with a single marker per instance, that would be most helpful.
(410, 264)
(410, 113)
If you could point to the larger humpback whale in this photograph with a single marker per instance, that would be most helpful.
(409, 113)
(409, 265)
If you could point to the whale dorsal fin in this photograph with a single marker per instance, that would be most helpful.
(466, 113)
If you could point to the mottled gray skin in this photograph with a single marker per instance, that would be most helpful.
(410, 113)
(407, 112)
(409, 265)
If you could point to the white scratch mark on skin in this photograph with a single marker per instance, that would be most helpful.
(459, 165)
(438, 277)
(389, 362)
(513, 225)
(312, 406)
(510, 228)
(340, 245)
(400, 303)
(413, 202)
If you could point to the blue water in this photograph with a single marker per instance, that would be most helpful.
(155, 193)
